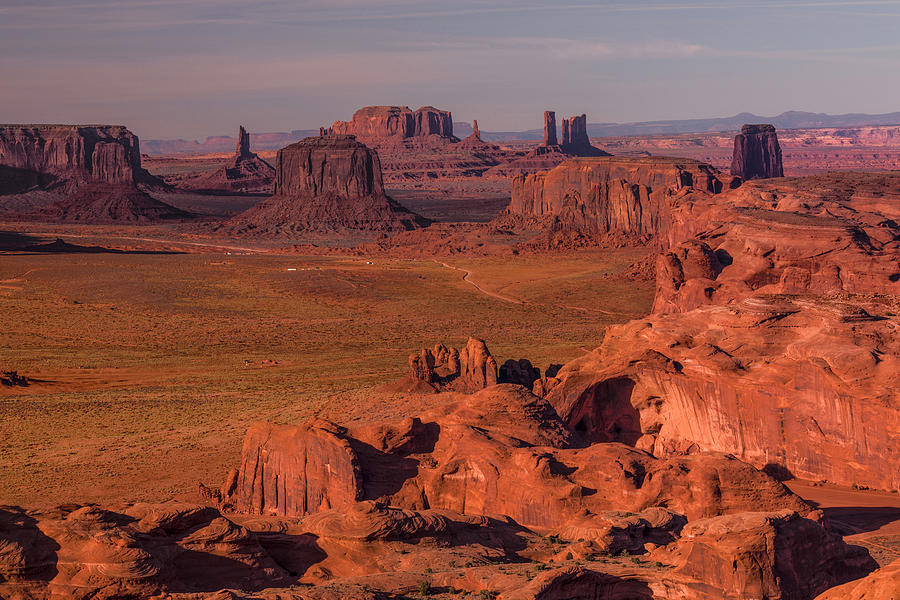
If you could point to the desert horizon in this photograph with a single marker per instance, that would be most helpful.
(513, 337)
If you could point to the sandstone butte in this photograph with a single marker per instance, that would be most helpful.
(377, 126)
(757, 153)
(90, 171)
(245, 172)
(326, 183)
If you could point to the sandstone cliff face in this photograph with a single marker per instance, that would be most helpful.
(80, 173)
(324, 184)
(501, 450)
(767, 555)
(612, 195)
(757, 153)
(64, 154)
(378, 125)
(774, 337)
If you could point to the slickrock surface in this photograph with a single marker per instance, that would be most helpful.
(326, 183)
(87, 173)
(244, 172)
(757, 154)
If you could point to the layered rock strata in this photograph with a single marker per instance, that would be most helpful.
(377, 126)
(326, 183)
(628, 197)
(774, 336)
(757, 153)
(87, 173)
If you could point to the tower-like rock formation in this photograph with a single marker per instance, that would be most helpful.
(327, 183)
(243, 145)
(245, 172)
(475, 131)
(549, 128)
(575, 138)
(757, 153)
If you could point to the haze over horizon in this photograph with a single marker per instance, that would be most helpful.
(194, 68)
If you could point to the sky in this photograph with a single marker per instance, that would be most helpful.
(193, 68)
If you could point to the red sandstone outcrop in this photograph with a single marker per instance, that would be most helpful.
(141, 550)
(501, 450)
(550, 153)
(883, 584)
(467, 370)
(245, 172)
(627, 197)
(766, 555)
(377, 126)
(757, 154)
(780, 341)
(549, 128)
(326, 183)
(90, 172)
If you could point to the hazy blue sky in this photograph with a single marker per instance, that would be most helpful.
(191, 68)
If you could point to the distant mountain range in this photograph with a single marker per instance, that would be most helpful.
(787, 120)
(224, 143)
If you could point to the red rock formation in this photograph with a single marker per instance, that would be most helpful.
(782, 305)
(883, 584)
(549, 128)
(475, 131)
(90, 172)
(140, 551)
(611, 195)
(757, 154)
(295, 471)
(467, 370)
(385, 125)
(766, 555)
(498, 451)
(245, 172)
(71, 154)
(326, 183)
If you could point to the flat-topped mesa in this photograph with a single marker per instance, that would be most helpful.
(84, 173)
(575, 137)
(603, 195)
(379, 125)
(757, 153)
(69, 155)
(549, 128)
(327, 183)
